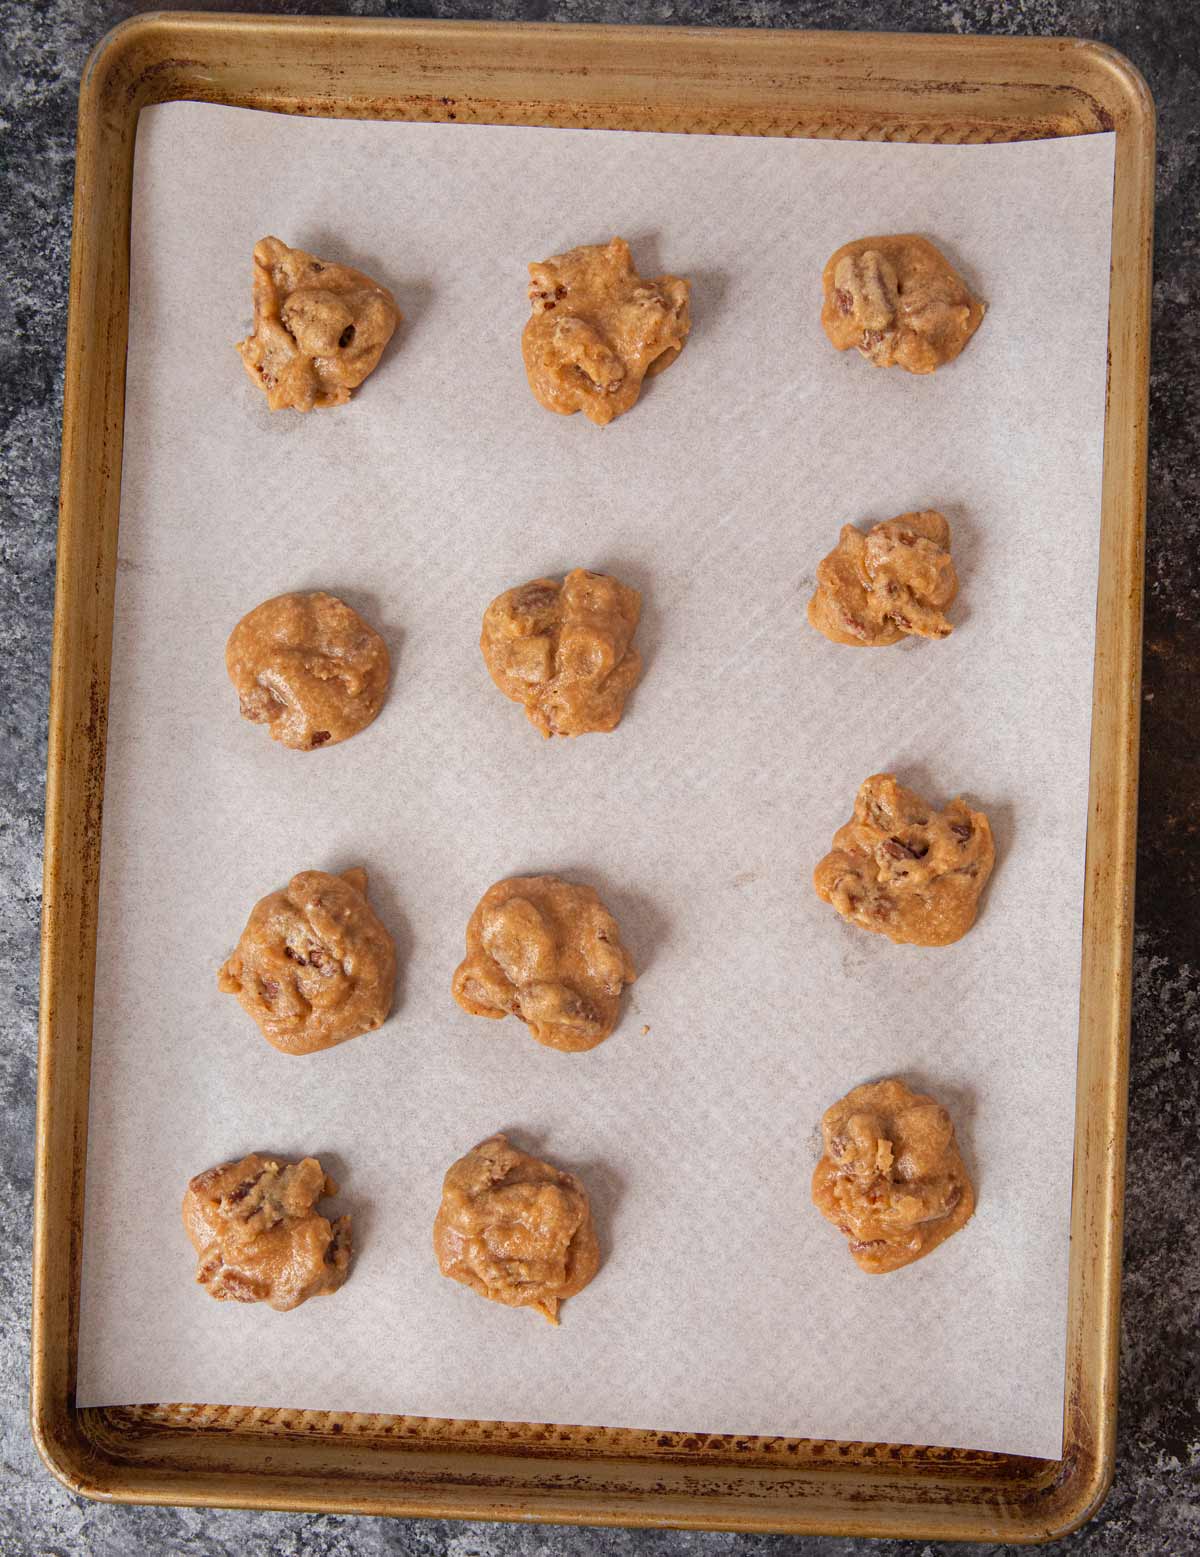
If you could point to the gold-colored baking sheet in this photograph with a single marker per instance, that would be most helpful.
(844, 86)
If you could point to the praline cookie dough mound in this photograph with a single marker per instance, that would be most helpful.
(598, 329)
(319, 328)
(903, 869)
(891, 1178)
(895, 581)
(899, 302)
(515, 1229)
(565, 651)
(549, 952)
(309, 668)
(314, 966)
(258, 1236)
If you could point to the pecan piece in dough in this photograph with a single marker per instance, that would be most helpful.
(319, 328)
(313, 966)
(891, 1178)
(900, 302)
(515, 1229)
(309, 668)
(258, 1236)
(598, 329)
(549, 952)
(905, 870)
(565, 651)
(896, 580)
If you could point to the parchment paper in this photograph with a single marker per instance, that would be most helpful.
(725, 1303)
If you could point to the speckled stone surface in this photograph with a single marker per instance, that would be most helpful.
(1154, 1507)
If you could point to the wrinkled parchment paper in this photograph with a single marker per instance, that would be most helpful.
(725, 1303)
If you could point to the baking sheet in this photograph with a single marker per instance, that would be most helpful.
(725, 1303)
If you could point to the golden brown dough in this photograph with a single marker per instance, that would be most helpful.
(905, 870)
(565, 650)
(515, 1229)
(308, 667)
(258, 1236)
(891, 1178)
(549, 952)
(314, 966)
(598, 329)
(877, 588)
(900, 302)
(319, 328)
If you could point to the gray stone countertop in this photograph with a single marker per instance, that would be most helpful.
(1154, 1506)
